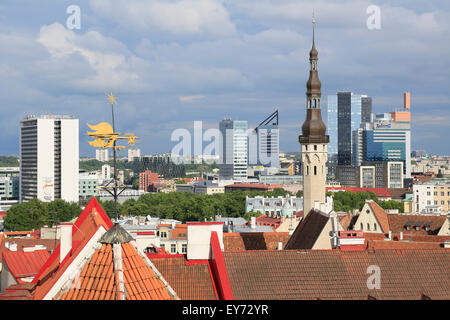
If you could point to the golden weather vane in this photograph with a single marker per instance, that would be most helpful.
(105, 137)
(104, 134)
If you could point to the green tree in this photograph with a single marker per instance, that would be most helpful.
(62, 211)
(299, 194)
(27, 216)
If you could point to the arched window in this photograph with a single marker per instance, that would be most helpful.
(307, 170)
(368, 226)
(315, 170)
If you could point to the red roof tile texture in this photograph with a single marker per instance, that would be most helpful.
(189, 281)
(98, 279)
(381, 216)
(25, 264)
(254, 240)
(336, 274)
(397, 223)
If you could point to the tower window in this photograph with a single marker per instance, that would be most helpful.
(315, 170)
(307, 170)
(315, 147)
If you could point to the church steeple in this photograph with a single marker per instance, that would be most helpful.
(313, 128)
(313, 139)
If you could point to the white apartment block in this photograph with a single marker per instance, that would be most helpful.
(49, 158)
(133, 153)
(431, 198)
(102, 155)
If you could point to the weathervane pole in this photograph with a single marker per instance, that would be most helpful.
(112, 99)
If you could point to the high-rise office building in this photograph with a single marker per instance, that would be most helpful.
(389, 139)
(349, 119)
(346, 112)
(233, 149)
(313, 139)
(102, 155)
(267, 149)
(366, 108)
(49, 158)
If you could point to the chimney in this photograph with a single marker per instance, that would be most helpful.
(253, 223)
(66, 240)
(401, 235)
(199, 239)
(390, 235)
(173, 224)
(280, 245)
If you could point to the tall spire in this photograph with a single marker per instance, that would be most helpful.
(313, 128)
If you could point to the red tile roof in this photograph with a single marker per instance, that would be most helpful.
(381, 216)
(241, 241)
(336, 274)
(25, 264)
(179, 232)
(21, 243)
(189, 281)
(379, 192)
(397, 223)
(99, 281)
(98, 277)
(92, 218)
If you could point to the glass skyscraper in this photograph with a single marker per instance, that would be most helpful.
(233, 151)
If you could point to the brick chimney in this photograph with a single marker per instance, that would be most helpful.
(66, 240)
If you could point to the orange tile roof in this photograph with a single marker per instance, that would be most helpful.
(92, 217)
(25, 264)
(179, 232)
(190, 281)
(99, 281)
(336, 274)
(381, 216)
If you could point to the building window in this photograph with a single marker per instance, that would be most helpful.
(184, 248)
(173, 248)
(315, 170)
(375, 226)
(163, 234)
(315, 147)
(368, 226)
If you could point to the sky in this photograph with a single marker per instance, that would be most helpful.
(173, 62)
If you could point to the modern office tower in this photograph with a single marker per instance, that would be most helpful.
(372, 174)
(366, 108)
(390, 139)
(267, 143)
(133, 153)
(49, 158)
(313, 139)
(349, 119)
(233, 149)
(102, 155)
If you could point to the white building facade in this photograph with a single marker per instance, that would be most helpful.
(49, 158)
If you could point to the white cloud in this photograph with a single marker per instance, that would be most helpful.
(181, 17)
(191, 98)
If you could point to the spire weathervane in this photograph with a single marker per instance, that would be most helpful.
(106, 137)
